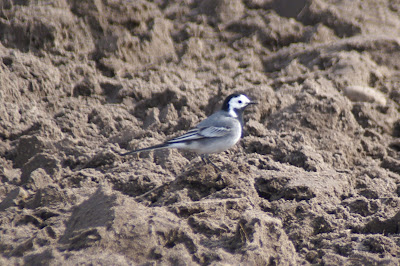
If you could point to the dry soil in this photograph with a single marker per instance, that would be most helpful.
(314, 180)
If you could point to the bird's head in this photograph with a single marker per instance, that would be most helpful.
(235, 104)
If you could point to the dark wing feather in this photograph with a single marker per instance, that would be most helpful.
(214, 132)
(201, 133)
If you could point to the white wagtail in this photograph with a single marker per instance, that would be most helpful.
(217, 133)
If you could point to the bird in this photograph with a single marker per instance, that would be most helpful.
(217, 133)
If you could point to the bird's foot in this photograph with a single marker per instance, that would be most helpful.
(206, 159)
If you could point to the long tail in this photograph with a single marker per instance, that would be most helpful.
(155, 147)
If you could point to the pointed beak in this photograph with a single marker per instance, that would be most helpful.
(250, 103)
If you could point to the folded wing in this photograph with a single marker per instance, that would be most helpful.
(201, 133)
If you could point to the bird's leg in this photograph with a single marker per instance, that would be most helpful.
(206, 159)
(203, 158)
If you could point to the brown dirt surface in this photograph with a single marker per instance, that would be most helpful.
(314, 180)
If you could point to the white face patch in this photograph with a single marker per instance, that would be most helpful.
(238, 102)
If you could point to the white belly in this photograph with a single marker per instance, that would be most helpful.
(216, 145)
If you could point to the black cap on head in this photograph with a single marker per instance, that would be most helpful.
(225, 105)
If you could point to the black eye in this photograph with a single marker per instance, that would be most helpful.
(239, 101)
